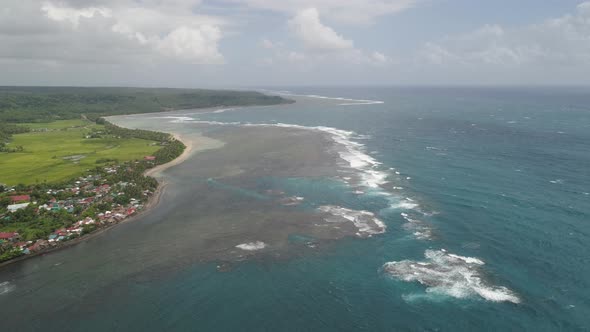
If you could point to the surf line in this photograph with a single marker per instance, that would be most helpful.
(345, 101)
(368, 172)
(442, 272)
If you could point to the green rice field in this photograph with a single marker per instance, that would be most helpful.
(59, 151)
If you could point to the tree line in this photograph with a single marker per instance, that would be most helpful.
(47, 104)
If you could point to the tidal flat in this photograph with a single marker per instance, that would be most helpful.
(221, 203)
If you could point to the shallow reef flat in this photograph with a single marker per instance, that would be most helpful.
(214, 207)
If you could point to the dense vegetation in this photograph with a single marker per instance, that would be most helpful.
(171, 147)
(45, 104)
(6, 131)
(135, 133)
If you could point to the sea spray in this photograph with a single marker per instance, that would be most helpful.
(450, 274)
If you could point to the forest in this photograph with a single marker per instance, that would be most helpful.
(46, 104)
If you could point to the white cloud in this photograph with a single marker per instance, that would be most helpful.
(109, 31)
(562, 41)
(321, 45)
(344, 11)
(316, 36)
(73, 15)
(193, 45)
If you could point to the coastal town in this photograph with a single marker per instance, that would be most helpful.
(44, 216)
(95, 201)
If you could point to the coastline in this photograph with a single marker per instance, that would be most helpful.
(206, 143)
(155, 171)
(152, 202)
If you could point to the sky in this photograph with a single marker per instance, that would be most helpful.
(264, 43)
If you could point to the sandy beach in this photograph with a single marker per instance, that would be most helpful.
(155, 171)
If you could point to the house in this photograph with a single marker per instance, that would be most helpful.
(39, 245)
(149, 158)
(34, 247)
(15, 207)
(20, 198)
(9, 236)
(22, 245)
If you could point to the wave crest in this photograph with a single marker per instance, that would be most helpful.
(252, 246)
(365, 221)
(450, 274)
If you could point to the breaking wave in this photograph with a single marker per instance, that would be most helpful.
(176, 119)
(367, 169)
(451, 275)
(419, 229)
(365, 221)
(252, 246)
(441, 272)
(345, 101)
(352, 153)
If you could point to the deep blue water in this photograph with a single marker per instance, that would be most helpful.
(501, 175)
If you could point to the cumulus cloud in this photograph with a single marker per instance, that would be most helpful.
(73, 15)
(316, 36)
(321, 45)
(194, 45)
(344, 11)
(562, 41)
(109, 31)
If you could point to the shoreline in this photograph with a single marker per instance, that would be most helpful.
(152, 202)
(156, 170)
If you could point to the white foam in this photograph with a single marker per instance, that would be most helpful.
(352, 153)
(349, 151)
(6, 287)
(365, 221)
(450, 274)
(365, 166)
(420, 229)
(176, 119)
(346, 101)
(404, 204)
(252, 246)
(223, 110)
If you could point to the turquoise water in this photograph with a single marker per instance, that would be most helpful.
(494, 233)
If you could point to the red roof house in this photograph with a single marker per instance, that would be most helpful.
(149, 158)
(35, 247)
(8, 236)
(20, 198)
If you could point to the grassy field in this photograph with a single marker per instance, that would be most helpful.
(61, 152)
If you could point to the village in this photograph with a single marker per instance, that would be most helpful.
(41, 218)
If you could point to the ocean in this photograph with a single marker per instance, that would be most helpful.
(471, 211)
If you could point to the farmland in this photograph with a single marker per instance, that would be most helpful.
(60, 150)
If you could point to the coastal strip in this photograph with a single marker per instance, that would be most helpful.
(157, 170)
(151, 202)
